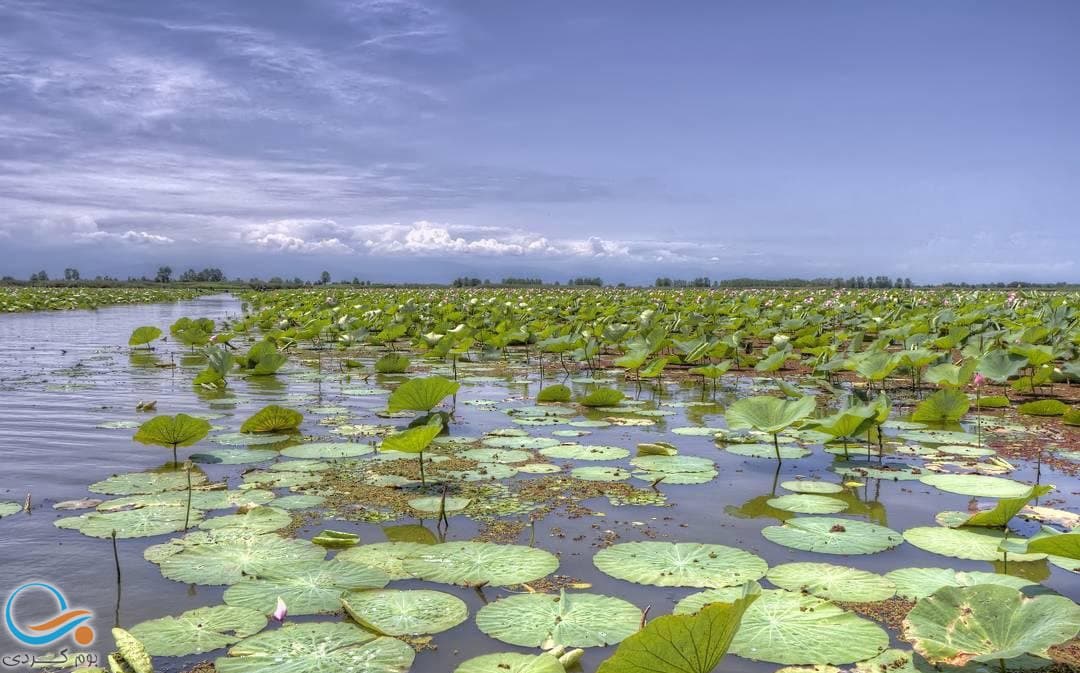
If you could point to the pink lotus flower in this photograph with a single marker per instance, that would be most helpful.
(979, 380)
(280, 612)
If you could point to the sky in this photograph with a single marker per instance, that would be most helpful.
(407, 140)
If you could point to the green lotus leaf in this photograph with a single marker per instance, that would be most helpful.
(199, 631)
(784, 627)
(310, 588)
(497, 455)
(600, 473)
(917, 583)
(683, 643)
(679, 469)
(413, 440)
(475, 563)
(1049, 541)
(232, 559)
(947, 404)
(1000, 365)
(828, 535)
(1004, 510)
(976, 544)
(234, 456)
(832, 582)
(568, 619)
(386, 556)
(131, 652)
(511, 662)
(132, 523)
(319, 647)
(815, 487)
(977, 485)
(1043, 408)
(9, 508)
(392, 363)
(768, 414)
(602, 397)
(555, 393)
(657, 449)
(522, 442)
(144, 335)
(435, 503)
(808, 503)
(257, 520)
(422, 394)
(328, 450)
(988, 622)
(297, 502)
(685, 564)
(585, 452)
(405, 613)
(850, 422)
(273, 418)
(792, 451)
(172, 431)
(301, 465)
(141, 483)
(865, 470)
(242, 439)
(279, 479)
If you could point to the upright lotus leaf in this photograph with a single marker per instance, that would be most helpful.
(479, 563)
(317, 647)
(144, 335)
(131, 652)
(768, 414)
(172, 431)
(198, 631)
(847, 424)
(273, 418)
(310, 588)
(569, 619)
(832, 582)
(1003, 511)
(1043, 408)
(684, 564)
(511, 662)
(415, 612)
(827, 535)
(687, 643)
(422, 394)
(947, 404)
(1000, 365)
(392, 363)
(988, 622)
(602, 397)
(785, 627)
(555, 393)
(414, 440)
(1048, 541)
(948, 374)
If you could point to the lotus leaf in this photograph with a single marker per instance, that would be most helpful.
(568, 619)
(199, 631)
(916, 583)
(273, 418)
(808, 503)
(977, 544)
(386, 556)
(555, 393)
(421, 394)
(140, 483)
(474, 563)
(827, 535)
(310, 588)
(405, 613)
(685, 564)
(132, 523)
(585, 452)
(977, 485)
(231, 559)
(141, 336)
(257, 520)
(328, 450)
(832, 582)
(319, 647)
(511, 662)
(818, 487)
(599, 473)
(172, 431)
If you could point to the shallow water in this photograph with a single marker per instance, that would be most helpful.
(63, 373)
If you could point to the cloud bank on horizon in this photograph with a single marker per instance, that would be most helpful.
(415, 140)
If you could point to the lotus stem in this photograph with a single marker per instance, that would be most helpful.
(422, 482)
(776, 445)
(187, 514)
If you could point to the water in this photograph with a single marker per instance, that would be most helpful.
(63, 373)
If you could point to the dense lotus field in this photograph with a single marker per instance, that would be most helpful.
(541, 481)
(16, 299)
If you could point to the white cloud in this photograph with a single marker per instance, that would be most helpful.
(130, 236)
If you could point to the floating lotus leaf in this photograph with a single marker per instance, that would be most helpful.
(237, 456)
(279, 479)
(301, 465)
(966, 451)
(256, 520)
(585, 452)
(118, 425)
(789, 451)
(863, 470)
(599, 473)
(1063, 548)
(784, 627)
(328, 450)
(473, 563)
(297, 502)
(310, 588)
(405, 613)
(435, 503)
(200, 499)
(976, 544)
(988, 622)
(916, 583)
(683, 643)
(422, 394)
(172, 431)
(9, 508)
(808, 486)
(828, 535)
(520, 442)
(130, 654)
(132, 523)
(832, 582)
(685, 564)
(539, 468)
(589, 423)
(808, 503)
(548, 410)
(602, 397)
(242, 439)
(273, 418)
(231, 560)
(947, 404)
(694, 431)
(199, 631)
(568, 619)
(977, 485)
(482, 472)
(1003, 512)
(511, 662)
(320, 647)
(142, 483)
(1043, 408)
(386, 556)
(497, 455)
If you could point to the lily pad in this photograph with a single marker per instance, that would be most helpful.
(257, 520)
(977, 485)
(828, 535)
(585, 452)
(297, 502)
(474, 563)
(787, 451)
(231, 560)
(198, 631)
(386, 556)
(600, 473)
(496, 455)
(815, 487)
(132, 523)
(976, 544)
(916, 583)
(514, 442)
(568, 619)
(235, 456)
(511, 662)
(685, 564)
(140, 483)
(808, 503)
(405, 613)
(308, 588)
(321, 647)
(435, 503)
(245, 439)
(832, 582)
(328, 450)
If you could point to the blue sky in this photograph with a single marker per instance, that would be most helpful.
(412, 140)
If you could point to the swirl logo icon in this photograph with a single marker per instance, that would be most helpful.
(67, 621)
